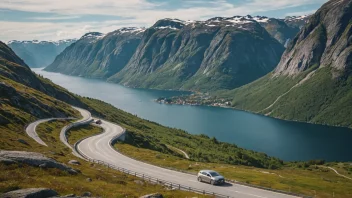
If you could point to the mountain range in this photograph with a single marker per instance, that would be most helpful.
(219, 53)
(39, 53)
(313, 81)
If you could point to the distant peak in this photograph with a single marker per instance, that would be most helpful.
(170, 23)
(93, 35)
(135, 30)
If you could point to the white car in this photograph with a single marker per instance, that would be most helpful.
(211, 177)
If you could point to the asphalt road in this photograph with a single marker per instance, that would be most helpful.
(31, 129)
(86, 117)
(99, 148)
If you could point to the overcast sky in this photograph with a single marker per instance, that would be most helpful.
(62, 19)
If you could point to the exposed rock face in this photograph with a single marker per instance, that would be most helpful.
(30, 193)
(34, 159)
(220, 53)
(313, 80)
(324, 42)
(97, 55)
(39, 53)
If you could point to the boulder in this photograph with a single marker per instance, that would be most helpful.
(74, 162)
(30, 193)
(22, 141)
(87, 194)
(139, 182)
(155, 195)
(35, 159)
(6, 161)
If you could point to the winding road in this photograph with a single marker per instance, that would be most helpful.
(99, 148)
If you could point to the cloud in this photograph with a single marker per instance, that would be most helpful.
(54, 18)
(129, 12)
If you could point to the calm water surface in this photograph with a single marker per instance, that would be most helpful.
(283, 139)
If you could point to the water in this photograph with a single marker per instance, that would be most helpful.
(287, 140)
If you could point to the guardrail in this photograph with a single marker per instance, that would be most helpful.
(164, 182)
(146, 177)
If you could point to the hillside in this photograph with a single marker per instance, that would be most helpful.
(39, 53)
(98, 56)
(312, 82)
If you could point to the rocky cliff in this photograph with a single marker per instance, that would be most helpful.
(312, 82)
(39, 53)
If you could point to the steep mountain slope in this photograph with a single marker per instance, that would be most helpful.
(97, 55)
(220, 53)
(20, 101)
(39, 53)
(313, 80)
(277, 28)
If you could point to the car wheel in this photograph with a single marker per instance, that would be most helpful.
(212, 182)
(199, 179)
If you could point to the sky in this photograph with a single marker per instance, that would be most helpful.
(65, 19)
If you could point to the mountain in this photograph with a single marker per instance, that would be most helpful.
(97, 55)
(220, 53)
(39, 53)
(277, 28)
(313, 81)
(297, 21)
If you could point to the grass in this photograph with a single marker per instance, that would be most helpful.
(105, 182)
(311, 180)
(80, 132)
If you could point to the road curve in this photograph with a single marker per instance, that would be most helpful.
(31, 129)
(98, 147)
(86, 118)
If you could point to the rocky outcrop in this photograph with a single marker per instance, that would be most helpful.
(74, 162)
(30, 193)
(324, 42)
(34, 159)
(39, 53)
(155, 195)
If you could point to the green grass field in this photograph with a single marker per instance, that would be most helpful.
(311, 180)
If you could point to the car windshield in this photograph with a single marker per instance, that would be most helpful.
(214, 174)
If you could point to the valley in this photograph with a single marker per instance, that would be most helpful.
(272, 136)
(151, 99)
